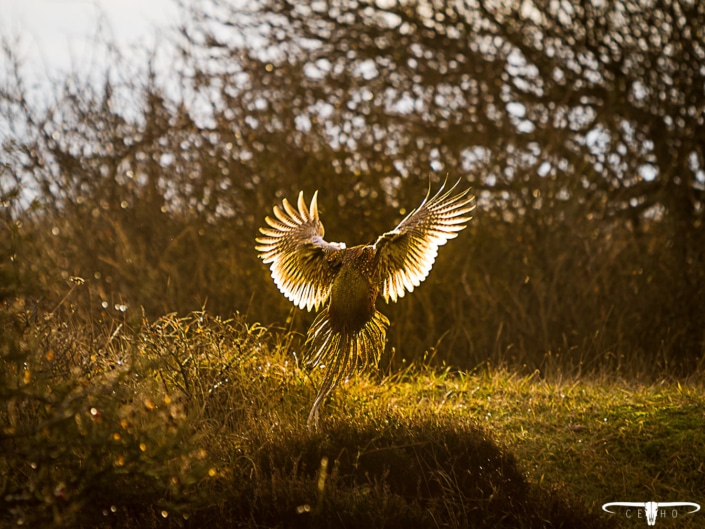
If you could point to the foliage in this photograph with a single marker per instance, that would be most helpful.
(580, 127)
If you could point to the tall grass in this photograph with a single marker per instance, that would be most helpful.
(199, 421)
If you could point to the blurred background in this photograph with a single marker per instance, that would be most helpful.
(136, 169)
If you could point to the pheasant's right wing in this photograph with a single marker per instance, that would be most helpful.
(302, 263)
(406, 254)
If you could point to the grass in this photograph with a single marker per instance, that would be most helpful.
(599, 440)
(200, 422)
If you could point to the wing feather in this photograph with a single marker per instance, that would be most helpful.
(406, 254)
(302, 262)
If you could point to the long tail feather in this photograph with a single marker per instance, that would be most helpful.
(342, 353)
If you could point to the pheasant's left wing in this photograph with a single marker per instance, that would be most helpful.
(406, 254)
(303, 264)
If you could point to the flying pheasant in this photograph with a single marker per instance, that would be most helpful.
(349, 333)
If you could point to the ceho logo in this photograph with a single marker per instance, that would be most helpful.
(652, 510)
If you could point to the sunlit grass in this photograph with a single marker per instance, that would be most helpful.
(200, 421)
(596, 439)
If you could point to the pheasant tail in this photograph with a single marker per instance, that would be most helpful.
(341, 352)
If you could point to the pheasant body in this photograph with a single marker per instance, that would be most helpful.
(349, 333)
(352, 295)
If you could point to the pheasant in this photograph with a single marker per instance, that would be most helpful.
(349, 333)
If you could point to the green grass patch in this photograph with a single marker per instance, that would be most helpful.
(200, 422)
(599, 440)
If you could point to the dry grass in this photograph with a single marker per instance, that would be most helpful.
(198, 421)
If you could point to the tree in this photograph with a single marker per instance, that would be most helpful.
(580, 125)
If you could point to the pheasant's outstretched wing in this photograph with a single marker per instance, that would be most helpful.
(302, 263)
(406, 254)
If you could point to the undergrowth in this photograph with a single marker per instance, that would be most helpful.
(199, 421)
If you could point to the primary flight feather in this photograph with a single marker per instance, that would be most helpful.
(349, 333)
